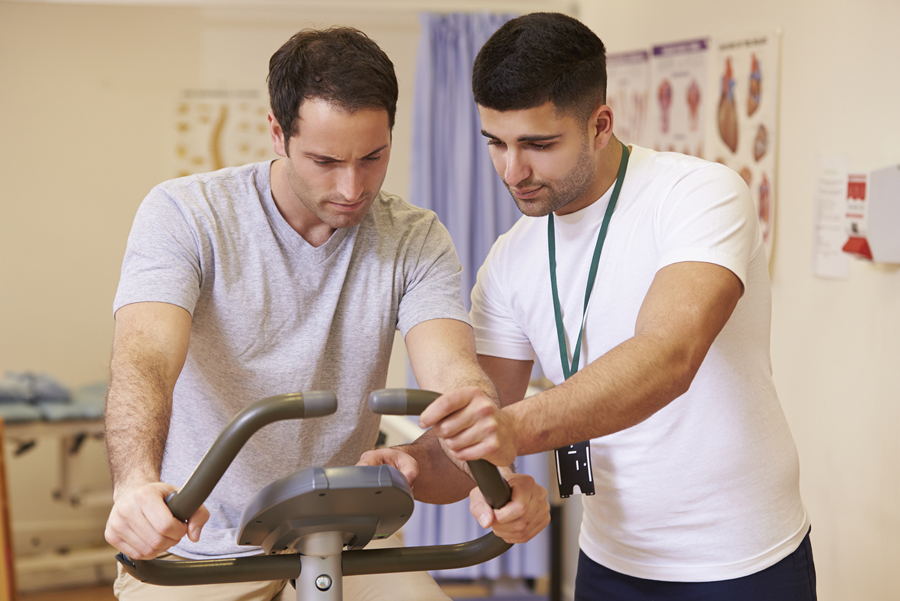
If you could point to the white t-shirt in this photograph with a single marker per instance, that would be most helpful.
(708, 487)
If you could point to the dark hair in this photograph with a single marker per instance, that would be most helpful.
(541, 57)
(340, 65)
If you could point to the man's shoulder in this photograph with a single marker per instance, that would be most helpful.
(216, 184)
(652, 165)
(388, 204)
(390, 213)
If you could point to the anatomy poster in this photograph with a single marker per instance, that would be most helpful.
(220, 128)
(742, 130)
(678, 97)
(627, 93)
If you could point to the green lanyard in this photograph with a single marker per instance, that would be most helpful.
(551, 242)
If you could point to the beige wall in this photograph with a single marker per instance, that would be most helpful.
(835, 344)
(88, 99)
(84, 93)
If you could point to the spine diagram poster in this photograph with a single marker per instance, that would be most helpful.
(742, 129)
(627, 92)
(220, 128)
(678, 97)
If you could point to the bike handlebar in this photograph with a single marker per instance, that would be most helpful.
(206, 475)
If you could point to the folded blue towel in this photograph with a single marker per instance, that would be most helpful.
(27, 387)
(48, 390)
(15, 388)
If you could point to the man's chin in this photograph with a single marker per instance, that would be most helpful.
(344, 219)
(532, 208)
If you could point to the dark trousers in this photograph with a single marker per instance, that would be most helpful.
(791, 579)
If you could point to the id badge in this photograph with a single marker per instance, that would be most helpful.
(573, 467)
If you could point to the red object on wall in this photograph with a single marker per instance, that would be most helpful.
(858, 247)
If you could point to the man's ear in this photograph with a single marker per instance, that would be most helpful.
(601, 125)
(279, 143)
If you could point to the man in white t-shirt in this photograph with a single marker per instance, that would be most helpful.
(639, 281)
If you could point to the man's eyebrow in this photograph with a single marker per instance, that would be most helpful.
(377, 150)
(531, 138)
(320, 157)
(325, 157)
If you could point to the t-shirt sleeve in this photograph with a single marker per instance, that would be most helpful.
(497, 333)
(162, 259)
(432, 283)
(709, 217)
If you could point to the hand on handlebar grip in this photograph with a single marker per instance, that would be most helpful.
(400, 401)
(520, 520)
(472, 426)
(141, 526)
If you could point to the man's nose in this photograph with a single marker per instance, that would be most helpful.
(350, 184)
(517, 170)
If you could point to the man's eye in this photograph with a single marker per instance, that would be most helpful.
(541, 146)
(375, 158)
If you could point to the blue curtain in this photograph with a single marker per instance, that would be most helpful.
(452, 175)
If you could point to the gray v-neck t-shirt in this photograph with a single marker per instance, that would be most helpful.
(272, 314)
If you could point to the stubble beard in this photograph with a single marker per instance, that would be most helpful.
(319, 206)
(570, 188)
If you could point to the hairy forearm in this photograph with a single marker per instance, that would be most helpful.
(149, 350)
(138, 410)
(441, 479)
(442, 353)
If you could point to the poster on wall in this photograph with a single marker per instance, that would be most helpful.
(678, 79)
(219, 128)
(627, 93)
(830, 219)
(742, 132)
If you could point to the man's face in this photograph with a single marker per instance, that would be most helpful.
(337, 161)
(545, 159)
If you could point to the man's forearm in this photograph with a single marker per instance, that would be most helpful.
(442, 354)
(149, 350)
(441, 479)
(138, 410)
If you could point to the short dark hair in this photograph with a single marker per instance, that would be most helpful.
(541, 57)
(340, 65)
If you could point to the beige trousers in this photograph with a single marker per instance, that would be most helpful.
(402, 586)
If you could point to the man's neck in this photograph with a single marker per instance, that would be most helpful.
(301, 220)
(605, 174)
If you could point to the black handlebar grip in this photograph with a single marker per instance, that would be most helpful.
(495, 489)
(408, 401)
(209, 471)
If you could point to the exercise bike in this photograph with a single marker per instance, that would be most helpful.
(312, 525)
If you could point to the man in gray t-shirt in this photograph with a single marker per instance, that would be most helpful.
(280, 277)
